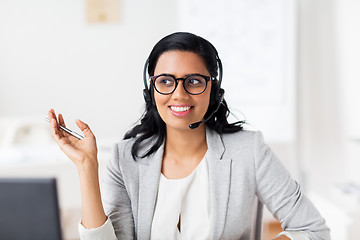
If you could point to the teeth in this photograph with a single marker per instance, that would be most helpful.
(179, 109)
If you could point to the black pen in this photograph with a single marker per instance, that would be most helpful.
(78, 136)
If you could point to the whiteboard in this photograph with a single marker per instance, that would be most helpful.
(256, 43)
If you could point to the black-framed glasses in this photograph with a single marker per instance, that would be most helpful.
(193, 84)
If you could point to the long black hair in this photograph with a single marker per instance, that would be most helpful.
(151, 124)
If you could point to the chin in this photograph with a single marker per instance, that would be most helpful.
(183, 126)
(178, 127)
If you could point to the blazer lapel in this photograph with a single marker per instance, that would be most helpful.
(149, 175)
(219, 178)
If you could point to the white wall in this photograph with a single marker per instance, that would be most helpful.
(328, 113)
(348, 52)
(50, 57)
(320, 123)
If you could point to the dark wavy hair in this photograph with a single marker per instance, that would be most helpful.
(151, 124)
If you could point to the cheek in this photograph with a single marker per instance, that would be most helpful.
(207, 103)
(160, 100)
(159, 106)
(206, 99)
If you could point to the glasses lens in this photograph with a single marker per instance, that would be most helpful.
(165, 84)
(195, 84)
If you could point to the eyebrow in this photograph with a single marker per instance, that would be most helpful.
(186, 75)
(194, 74)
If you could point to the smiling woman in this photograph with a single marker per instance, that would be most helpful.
(205, 59)
(167, 180)
(179, 109)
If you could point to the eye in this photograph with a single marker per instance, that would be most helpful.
(195, 81)
(165, 81)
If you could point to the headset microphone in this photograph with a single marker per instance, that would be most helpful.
(197, 124)
(219, 95)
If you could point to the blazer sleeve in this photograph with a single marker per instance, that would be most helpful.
(117, 206)
(283, 197)
(116, 201)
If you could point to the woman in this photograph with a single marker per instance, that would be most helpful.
(169, 181)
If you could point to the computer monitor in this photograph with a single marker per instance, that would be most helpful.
(29, 209)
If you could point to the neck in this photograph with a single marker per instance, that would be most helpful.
(186, 144)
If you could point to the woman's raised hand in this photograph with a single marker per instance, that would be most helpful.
(84, 154)
(81, 152)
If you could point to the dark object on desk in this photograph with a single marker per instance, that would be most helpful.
(29, 209)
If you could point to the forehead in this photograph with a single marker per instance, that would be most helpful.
(180, 63)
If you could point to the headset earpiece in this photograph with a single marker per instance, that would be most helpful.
(146, 92)
(214, 93)
(147, 96)
(217, 93)
(152, 97)
(221, 95)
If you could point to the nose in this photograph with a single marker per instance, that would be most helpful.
(180, 92)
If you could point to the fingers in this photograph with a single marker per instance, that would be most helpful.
(56, 132)
(53, 124)
(51, 115)
(84, 128)
(61, 120)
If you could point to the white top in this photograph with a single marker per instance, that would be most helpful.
(186, 199)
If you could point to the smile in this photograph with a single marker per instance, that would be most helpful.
(179, 109)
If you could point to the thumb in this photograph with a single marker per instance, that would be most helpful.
(84, 128)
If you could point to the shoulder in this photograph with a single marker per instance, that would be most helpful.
(243, 137)
(122, 151)
(240, 135)
(245, 142)
(124, 146)
(121, 157)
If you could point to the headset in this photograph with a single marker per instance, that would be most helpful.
(216, 91)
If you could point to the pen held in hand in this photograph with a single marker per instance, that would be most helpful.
(78, 136)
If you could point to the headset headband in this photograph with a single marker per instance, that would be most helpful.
(144, 73)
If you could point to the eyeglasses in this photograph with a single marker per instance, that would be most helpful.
(193, 84)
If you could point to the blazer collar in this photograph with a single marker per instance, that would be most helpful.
(215, 144)
(149, 176)
(219, 180)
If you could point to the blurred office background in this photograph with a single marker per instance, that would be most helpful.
(290, 69)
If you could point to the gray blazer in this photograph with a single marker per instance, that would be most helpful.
(242, 168)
